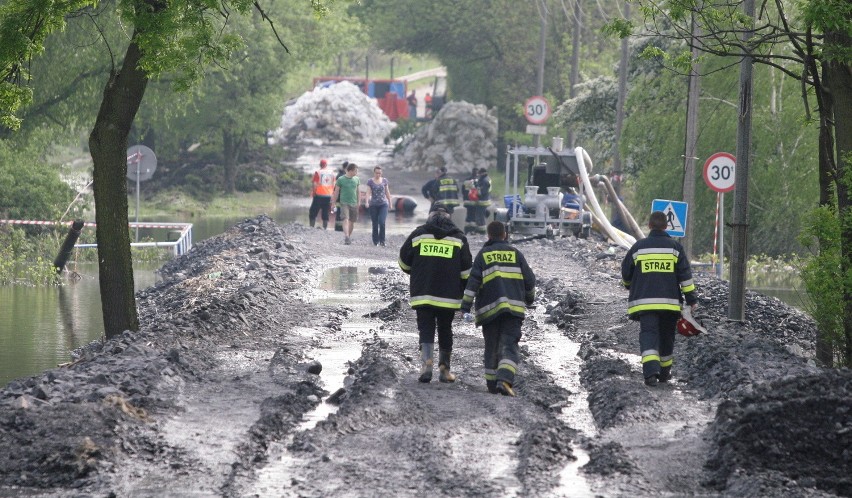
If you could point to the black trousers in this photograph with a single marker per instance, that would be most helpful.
(320, 203)
(656, 341)
(428, 319)
(502, 353)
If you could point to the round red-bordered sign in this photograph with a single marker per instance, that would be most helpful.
(536, 110)
(719, 172)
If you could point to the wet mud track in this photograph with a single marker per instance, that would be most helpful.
(274, 361)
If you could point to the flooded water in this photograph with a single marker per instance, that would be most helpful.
(40, 326)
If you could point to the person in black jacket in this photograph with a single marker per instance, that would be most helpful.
(659, 277)
(437, 257)
(483, 185)
(442, 191)
(503, 285)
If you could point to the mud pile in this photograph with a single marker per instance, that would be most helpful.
(340, 114)
(462, 136)
(797, 430)
(69, 426)
(781, 426)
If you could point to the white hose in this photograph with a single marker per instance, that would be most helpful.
(622, 239)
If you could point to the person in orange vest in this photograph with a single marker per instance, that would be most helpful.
(428, 101)
(322, 186)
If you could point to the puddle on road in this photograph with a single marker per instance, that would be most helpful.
(336, 288)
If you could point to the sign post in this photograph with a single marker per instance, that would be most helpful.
(719, 176)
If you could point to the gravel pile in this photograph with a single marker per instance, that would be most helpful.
(340, 114)
(462, 136)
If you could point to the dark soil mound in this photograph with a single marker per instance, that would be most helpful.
(799, 427)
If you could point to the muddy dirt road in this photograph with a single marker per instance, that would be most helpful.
(275, 361)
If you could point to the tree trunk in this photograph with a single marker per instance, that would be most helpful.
(619, 115)
(231, 148)
(108, 146)
(837, 78)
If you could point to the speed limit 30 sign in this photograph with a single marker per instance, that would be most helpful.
(719, 172)
(536, 110)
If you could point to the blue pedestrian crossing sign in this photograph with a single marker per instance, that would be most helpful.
(675, 214)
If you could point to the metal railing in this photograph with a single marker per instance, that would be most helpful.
(180, 246)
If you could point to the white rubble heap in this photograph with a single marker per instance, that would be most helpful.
(339, 114)
(461, 136)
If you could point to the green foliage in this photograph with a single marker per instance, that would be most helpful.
(822, 235)
(784, 151)
(591, 114)
(620, 28)
(29, 187)
(490, 49)
(244, 95)
(403, 130)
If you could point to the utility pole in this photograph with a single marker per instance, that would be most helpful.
(539, 87)
(739, 237)
(689, 150)
(619, 114)
(575, 62)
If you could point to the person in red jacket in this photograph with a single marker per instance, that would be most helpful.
(437, 257)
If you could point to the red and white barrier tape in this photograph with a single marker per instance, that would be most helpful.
(182, 226)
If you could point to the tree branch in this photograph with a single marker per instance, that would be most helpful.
(271, 25)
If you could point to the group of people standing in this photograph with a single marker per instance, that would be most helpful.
(443, 191)
(498, 284)
(344, 188)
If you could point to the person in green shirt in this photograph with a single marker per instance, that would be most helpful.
(347, 194)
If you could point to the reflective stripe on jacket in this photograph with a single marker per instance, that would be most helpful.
(658, 275)
(500, 281)
(437, 257)
(448, 190)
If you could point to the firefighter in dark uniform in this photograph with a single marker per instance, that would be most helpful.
(658, 275)
(437, 257)
(483, 184)
(443, 189)
(503, 285)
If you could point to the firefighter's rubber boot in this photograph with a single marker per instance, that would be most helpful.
(492, 386)
(652, 380)
(665, 375)
(505, 388)
(427, 351)
(444, 367)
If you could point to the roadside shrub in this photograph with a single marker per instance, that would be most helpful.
(821, 273)
(254, 181)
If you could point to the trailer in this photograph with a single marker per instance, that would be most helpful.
(552, 203)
